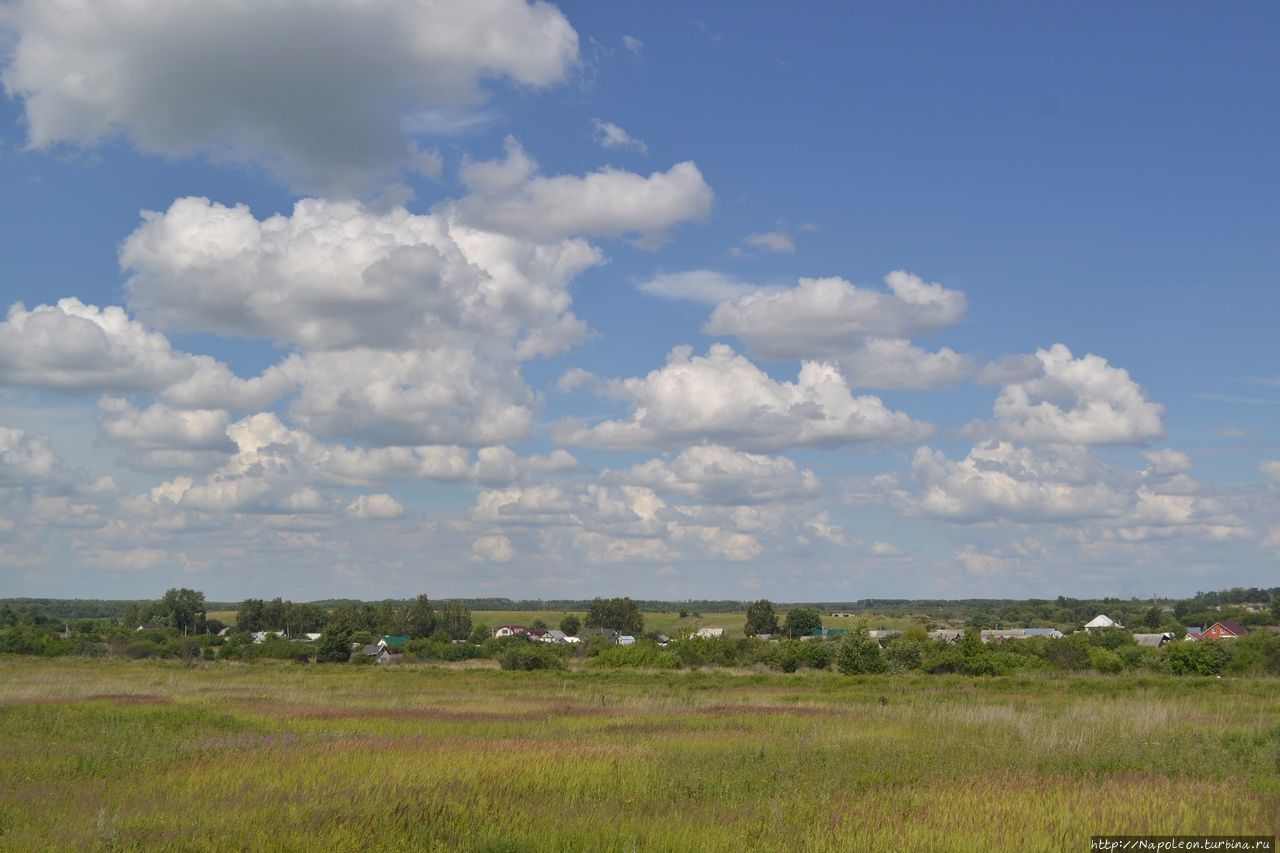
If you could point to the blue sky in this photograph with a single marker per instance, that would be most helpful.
(319, 299)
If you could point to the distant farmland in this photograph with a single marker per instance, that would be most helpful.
(121, 754)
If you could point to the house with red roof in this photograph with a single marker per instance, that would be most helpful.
(1224, 630)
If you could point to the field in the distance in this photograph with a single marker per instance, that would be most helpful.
(666, 622)
(151, 755)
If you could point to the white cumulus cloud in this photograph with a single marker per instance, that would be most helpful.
(509, 196)
(317, 94)
(724, 398)
(1077, 401)
(829, 316)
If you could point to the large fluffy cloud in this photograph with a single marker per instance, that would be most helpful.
(333, 275)
(829, 316)
(25, 458)
(724, 398)
(509, 196)
(163, 427)
(318, 93)
(1077, 401)
(1000, 481)
(898, 363)
(72, 347)
(410, 327)
(714, 474)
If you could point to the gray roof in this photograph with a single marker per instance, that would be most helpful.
(371, 649)
(1151, 639)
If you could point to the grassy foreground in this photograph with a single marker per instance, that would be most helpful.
(146, 754)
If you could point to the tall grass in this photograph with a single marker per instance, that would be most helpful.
(146, 754)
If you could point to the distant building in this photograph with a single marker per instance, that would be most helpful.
(1153, 640)
(393, 642)
(1101, 622)
(510, 630)
(1225, 630)
(709, 632)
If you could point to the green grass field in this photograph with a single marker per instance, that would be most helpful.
(668, 622)
(121, 754)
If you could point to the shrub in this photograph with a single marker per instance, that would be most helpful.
(904, 653)
(1105, 660)
(816, 655)
(643, 654)
(859, 653)
(1206, 657)
(530, 656)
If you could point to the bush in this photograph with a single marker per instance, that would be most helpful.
(904, 653)
(1105, 660)
(817, 655)
(644, 654)
(859, 653)
(529, 656)
(1067, 653)
(1205, 657)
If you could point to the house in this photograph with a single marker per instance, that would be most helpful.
(626, 640)
(393, 642)
(153, 625)
(1225, 630)
(386, 656)
(370, 650)
(946, 635)
(1153, 640)
(1101, 622)
(1194, 632)
(536, 633)
(510, 630)
(572, 640)
(260, 637)
(1051, 633)
(607, 633)
(827, 633)
(310, 637)
(553, 635)
(881, 635)
(709, 633)
(992, 635)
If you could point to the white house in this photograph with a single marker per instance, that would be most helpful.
(509, 630)
(1100, 622)
(709, 632)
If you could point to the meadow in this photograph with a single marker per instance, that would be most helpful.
(666, 622)
(120, 755)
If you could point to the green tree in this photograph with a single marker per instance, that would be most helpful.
(334, 647)
(183, 609)
(1275, 609)
(761, 619)
(455, 619)
(571, 625)
(1154, 618)
(250, 617)
(859, 653)
(273, 615)
(620, 614)
(420, 618)
(802, 621)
